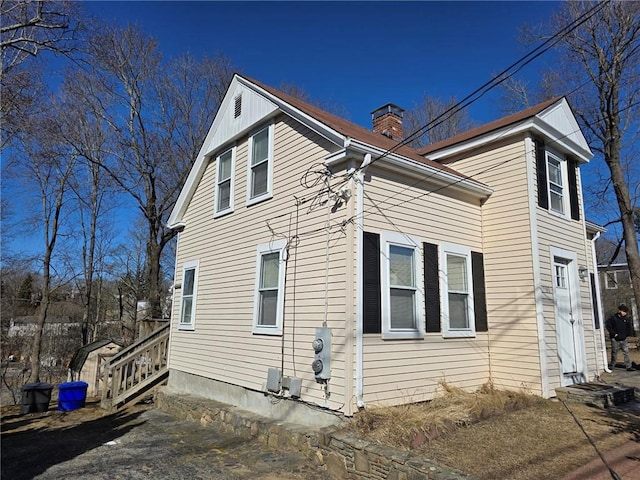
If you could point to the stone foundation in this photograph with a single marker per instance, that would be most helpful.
(343, 455)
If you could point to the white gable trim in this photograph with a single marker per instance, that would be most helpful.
(318, 127)
(556, 123)
(258, 105)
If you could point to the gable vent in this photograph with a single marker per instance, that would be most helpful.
(238, 106)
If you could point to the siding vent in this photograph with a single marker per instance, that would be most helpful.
(238, 106)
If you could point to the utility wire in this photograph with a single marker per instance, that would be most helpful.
(613, 474)
(507, 159)
(497, 79)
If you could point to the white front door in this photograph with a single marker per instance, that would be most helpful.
(568, 321)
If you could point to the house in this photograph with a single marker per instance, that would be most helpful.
(87, 364)
(322, 264)
(615, 279)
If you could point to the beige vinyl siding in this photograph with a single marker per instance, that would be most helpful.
(509, 277)
(398, 371)
(222, 346)
(566, 234)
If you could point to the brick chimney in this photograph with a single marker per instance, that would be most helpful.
(387, 120)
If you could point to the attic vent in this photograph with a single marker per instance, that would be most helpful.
(238, 106)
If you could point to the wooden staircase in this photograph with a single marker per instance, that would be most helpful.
(136, 370)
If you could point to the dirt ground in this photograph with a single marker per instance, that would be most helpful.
(536, 443)
(140, 442)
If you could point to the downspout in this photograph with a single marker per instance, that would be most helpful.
(596, 281)
(359, 214)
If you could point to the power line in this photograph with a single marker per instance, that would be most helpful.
(469, 99)
(497, 79)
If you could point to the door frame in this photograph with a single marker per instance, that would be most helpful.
(576, 312)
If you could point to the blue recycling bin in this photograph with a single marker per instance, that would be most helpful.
(35, 397)
(72, 395)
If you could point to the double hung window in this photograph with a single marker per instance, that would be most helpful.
(457, 291)
(260, 168)
(224, 182)
(269, 289)
(556, 184)
(188, 295)
(402, 305)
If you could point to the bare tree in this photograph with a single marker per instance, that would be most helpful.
(300, 93)
(48, 167)
(598, 68)
(605, 51)
(157, 115)
(27, 28)
(431, 111)
(93, 190)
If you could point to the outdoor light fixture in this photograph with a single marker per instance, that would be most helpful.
(583, 272)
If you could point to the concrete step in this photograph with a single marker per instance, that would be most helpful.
(598, 394)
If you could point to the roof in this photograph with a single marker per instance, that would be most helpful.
(607, 255)
(552, 121)
(352, 130)
(490, 127)
(83, 352)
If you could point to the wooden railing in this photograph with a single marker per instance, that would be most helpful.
(133, 371)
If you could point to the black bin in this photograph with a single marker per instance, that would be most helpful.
(35, 397)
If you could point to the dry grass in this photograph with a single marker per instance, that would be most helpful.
(412, 425)
(494, 434)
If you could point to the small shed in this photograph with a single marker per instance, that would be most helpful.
(87, 364)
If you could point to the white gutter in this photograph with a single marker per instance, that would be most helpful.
(408, 167)
(596, 282)
(359, 179)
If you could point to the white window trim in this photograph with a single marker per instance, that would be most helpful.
(565, 183)
(393, 238)
(190, 265)
(611, 283)
(229, 209)
(269, 193)
(447, 331)
(262, 249)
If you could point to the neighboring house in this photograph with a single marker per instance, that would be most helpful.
(615, 279)
(54, 326)
(60, 336)
(87, 364)
(458, 263)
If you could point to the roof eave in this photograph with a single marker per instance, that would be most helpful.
(315, 125)
(406, 166)
(532, 124)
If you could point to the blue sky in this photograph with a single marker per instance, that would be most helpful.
(356, 55)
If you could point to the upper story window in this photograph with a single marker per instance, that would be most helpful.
(260, 169)
(224, 182)
(401, 283)
(188, 295)
(557, 179)
(556, 184)
(611, 280)
(458, 314)
(269, 288)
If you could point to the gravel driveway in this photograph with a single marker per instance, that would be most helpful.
(139, 444)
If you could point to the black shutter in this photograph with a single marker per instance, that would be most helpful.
(371, 291)
(594, 302)
(479, 294)
(431, 287)
(572, 167)
(541, 173)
